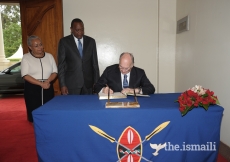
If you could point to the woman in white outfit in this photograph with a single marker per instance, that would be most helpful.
(38, 69)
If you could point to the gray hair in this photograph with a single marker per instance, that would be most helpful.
(131, 55)
(30, 38)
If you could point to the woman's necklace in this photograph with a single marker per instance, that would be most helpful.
(38, 55)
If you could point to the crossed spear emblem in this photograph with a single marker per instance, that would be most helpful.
(112, 139)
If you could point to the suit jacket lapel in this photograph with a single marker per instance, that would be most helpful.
(85, 45)
(118, 76)
(73, 44)
(132, 78)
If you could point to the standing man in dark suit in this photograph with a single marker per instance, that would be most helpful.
(124, 77)
(78, 67)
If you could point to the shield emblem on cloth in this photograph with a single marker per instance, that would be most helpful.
(129, 138)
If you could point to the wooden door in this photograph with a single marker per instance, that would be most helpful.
(44, 19)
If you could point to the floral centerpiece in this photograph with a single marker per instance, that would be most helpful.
(194, 97)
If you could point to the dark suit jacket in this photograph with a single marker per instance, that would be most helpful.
(112, 77)
(74, 71)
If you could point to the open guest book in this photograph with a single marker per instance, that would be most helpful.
(117, 95)
(141, 95)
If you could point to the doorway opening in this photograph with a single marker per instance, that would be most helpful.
(10, 35)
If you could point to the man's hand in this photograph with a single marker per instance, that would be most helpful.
(64, 90)
(126, 91)
(130, 90)
(106, 90)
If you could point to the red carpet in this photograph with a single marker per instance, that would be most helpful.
(221, 159)
(17, 141)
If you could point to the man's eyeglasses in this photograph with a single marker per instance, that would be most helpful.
(124, 69)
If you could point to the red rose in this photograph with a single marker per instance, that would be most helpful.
(201, 97)
(182, 108)
(191, 93)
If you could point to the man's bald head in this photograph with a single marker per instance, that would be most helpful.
(126, 62)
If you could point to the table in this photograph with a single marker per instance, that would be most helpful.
(70, 129)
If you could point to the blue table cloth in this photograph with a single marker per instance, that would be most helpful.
(66, 130)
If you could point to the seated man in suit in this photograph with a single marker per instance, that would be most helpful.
(124, 77)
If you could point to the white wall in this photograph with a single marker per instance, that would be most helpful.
(167, 45)
(202, 53)
(130, 26)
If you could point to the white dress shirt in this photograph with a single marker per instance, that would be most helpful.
(122, 78)
(76, 41)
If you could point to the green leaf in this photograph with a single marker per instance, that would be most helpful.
(206, 106)
(217, 101)
(186, 110)
(205, 95)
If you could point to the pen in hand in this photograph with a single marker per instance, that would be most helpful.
(107, 90)
(108, 93)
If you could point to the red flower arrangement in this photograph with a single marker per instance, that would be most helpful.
(194, 97)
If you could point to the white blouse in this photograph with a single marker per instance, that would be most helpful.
(38, 68)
